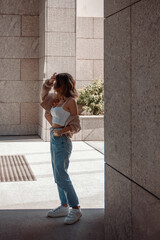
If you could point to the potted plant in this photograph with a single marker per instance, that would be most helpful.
(91, 99)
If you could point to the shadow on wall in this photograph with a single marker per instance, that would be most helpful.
(33, 224)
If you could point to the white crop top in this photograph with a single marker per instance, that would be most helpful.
(59, 115)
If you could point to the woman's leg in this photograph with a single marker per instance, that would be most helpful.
(61, 192)
(63, 148)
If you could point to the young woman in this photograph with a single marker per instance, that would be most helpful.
(64, 120)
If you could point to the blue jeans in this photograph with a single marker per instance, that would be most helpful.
(61, 148)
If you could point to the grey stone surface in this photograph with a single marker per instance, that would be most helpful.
(25, 129)
(89, 48)
(145, 96)
(62, 3)
(29, 69)
(42, 120)
(78, 136)
(10, 25)
(117, 206)
(42, 133)
(90, 227)
(98, 27)
(60, 64)
(29, 113)
(93, 128)
(98, 68)
(60, 20)
(9, 69)
(84, 27)
(134, 1)
(30, 26)
(10, 113)
(60, 44)
(21, 7)
(42, 5)
(96, 134)
(117, 88)
(42, 46)
(84, 69)
(82, 83)
(42, 18)
(97, 145)
(19, 91)
(111, 6)
(42, 24)
(145, 215)
(18, 47)
(42, 68)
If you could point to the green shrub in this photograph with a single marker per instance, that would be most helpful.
(91, 97)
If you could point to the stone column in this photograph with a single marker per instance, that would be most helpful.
(57, 45)
(132, 150)
(89, 42)
(19, 83)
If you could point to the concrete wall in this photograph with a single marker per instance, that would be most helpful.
(38, 38)
(19, 33)
(89, 41)
(57, 46)
(67, 46)
(132, 150)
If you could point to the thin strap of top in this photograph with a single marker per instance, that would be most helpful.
(65, 102)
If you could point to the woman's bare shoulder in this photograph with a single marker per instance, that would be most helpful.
(72, 100)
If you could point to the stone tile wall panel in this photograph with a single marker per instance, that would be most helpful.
(62, 3)
(84, 27)
(60, 64)
(60, 44)
(29, 69)
(89, 49)
(9, 69)
(10, 113)
(18, 47)
(61, 20)
(145, 215)
(20, 7)
(146, 97)
(98, 27)
(89, 132)
(111, 7)
(117, 206)
(42, 120)
(82, 83)
(19, 91)
(98, 68)
(42, 46)
(84, 70)
(10, 25)
(42, 68)
(30, 26)
(117, 88)
(25, 129)
(29, 113)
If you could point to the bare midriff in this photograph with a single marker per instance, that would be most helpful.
(56, 125)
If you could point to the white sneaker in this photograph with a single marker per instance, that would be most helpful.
(73, 216)
(58, 212)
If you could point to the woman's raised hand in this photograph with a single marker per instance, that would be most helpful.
(53, 78)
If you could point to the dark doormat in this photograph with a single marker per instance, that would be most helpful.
(15, 168)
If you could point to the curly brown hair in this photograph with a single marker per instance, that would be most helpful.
(66, 83)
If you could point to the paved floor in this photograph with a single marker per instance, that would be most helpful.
(23, 205)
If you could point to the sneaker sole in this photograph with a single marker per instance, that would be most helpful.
(57, 216)
(69, 223)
